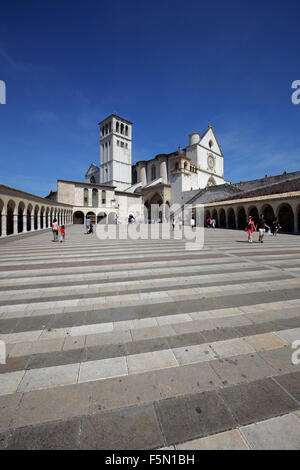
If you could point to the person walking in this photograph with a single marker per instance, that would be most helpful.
(192, 223)
(55, 230)
(250, 228)
(277, 226)
(262, 228)
(87, 224)
(62, 232)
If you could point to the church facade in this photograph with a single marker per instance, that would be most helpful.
(167, 178)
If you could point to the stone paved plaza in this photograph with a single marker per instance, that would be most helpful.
(144, 345)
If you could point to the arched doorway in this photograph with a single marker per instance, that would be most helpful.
(78, 217)
(215, 216)
(101, 218)
(154, 209)
(42, 217)
(286, 217)
(231, 218)
(29, 212)
(21, 217)
(254, 214)
(1, 212)
(92, 216)
(10, 217)
(36, 211)
(242, 218)
(207, 216)
(268, 212)
(222, 218)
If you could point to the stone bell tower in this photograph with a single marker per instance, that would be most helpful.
(115, 152)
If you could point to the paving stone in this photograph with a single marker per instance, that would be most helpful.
(220, 334)
(13, 364)
(232, 321)
(265, 341)
(105, 351)
(153, 360)
(192, 378)
(36, 379)
(153, 332)
(52, 436)
(134, 428)
(290, 335)
(194, 326)
(281, 433)
(41, 406)
(121, 392)
(257, 400)
(8, 406)
(228, 440)
(187, 339)
(193, 416)
(196, 353)
(56, 358)
(147, 345)
(108, 338)
(102, 369)
(3, 440)
(239, 369)
(77, 342)
(291, 383)
(280, 359)
(9, 382)
(232, 347)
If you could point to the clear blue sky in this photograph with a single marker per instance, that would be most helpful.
(168, 66)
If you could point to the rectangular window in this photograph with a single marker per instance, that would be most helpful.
(122, 144)
(118, 143)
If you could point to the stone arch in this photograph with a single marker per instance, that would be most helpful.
(35, 220)
(222, 218)
(253, 211)
(231, 218)
(101, 218)
(285, 215)
(241, 218)
(78, 217)
(11, 206)
(297, 212)
(215, 216)
(21, 209)
(29, 215)
(1, 214)
(42, 212)
(154, 212)
(92, 216)
(211, 182)
(207, 216)
(269, 214)
(47, 217)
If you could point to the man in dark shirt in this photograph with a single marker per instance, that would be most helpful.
(262, 228)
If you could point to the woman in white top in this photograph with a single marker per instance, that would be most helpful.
(55, 230)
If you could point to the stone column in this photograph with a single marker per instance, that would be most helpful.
(32, 222)
(24, 223)
(163, 170)
(236, 218)
(142, 173)
(39, 221)
(3, 225)
(49, 221)
(296, 224)
(15, 216)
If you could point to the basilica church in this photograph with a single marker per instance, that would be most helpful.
(167, 178)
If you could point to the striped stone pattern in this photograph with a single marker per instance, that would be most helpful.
(146, 345)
